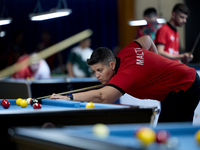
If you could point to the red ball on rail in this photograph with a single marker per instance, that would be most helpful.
(5, 103)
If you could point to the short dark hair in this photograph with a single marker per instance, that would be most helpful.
(181, 8)
(101, 55)
(150, 12)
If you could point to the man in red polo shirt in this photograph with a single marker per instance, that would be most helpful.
(167, 37)
(37, 70)
(139, 71)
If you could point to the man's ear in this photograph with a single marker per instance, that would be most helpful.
(145, 17)
(173, 15)
(112, 65)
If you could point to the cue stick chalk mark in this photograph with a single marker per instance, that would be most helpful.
(73, 91)
(46, 52)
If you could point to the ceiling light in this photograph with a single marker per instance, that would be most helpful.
(138, 23)
(5, 21)
(2, 33)
(50, 14)
(161, 20)
(53, 13)
(144, 22)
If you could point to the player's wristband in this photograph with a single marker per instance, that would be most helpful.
(70, 96)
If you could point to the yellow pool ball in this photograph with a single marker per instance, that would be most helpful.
(18, 101)
(146, 135)
(23, 103)
(101, 130)
(90, 105)
(197, 136)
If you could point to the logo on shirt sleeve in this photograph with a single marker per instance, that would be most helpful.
(172, 38)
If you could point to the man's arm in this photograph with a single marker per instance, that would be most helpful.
(147, 43)
(185, 57)
(106, 94)
(161, 51)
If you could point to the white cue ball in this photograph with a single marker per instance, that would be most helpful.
(173, 143)
(101, 130)
(28, 100)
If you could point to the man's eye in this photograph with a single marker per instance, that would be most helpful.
(99, 70)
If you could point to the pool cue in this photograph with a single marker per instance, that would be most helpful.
(195, 44)
(74, 91)
(46, 52)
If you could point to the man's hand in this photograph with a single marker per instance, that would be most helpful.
(187, 57)
(58, 96)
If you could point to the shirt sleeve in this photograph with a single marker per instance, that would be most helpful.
(122, 82)
(161, 36)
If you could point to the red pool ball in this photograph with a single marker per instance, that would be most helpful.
(37, 106)
(162, 136)
(5, 103)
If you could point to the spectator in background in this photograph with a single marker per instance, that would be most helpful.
(150, 15)
(46, 41)
(167, 37)
(76, 63)
(37, 70)
(17, 48)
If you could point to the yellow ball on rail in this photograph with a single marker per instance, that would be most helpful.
(90, 105)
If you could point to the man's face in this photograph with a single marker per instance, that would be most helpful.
(102, 72)
(150, 19)
(34, 67)
(180, 18)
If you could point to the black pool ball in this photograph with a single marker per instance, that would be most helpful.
(33, 101)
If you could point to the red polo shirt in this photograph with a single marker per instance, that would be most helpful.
(25, 71)
(147, 75)
(169, 37)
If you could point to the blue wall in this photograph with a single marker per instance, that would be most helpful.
(98, 15)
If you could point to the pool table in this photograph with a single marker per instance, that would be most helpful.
(66, 112)
(121, 137)
(69, 112)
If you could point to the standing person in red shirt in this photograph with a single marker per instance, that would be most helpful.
(167, 37)
(36, 70)
(139, 71)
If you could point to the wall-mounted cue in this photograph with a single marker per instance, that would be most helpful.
(74, 91)
(46, 52)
